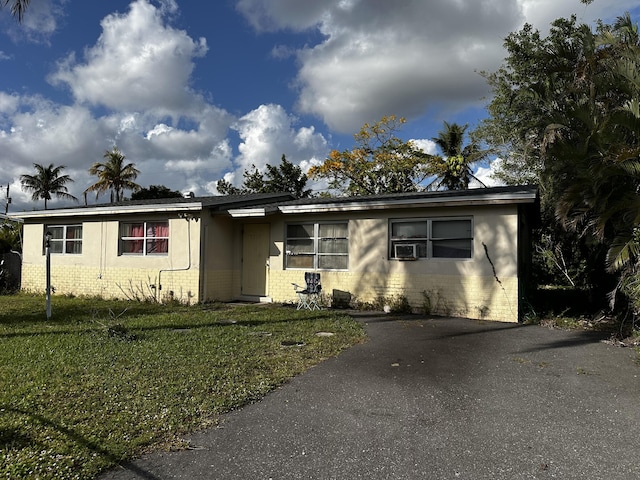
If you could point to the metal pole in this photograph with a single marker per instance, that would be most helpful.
(47, 253)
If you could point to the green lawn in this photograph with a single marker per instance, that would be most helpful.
(104, 381)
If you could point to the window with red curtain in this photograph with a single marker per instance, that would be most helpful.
(144, 238)
(157, 238)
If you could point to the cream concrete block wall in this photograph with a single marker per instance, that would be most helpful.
(100, 270)
(220, 285)
(220, 247)
(132, 284)
(485, 286)
(471, 297)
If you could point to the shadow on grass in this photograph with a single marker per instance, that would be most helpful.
(14, 438)
(76, 437)
(99, 327)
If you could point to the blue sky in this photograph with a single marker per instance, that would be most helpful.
(192, 92)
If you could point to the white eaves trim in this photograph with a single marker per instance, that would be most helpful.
(247, 212)
(379, 204)
(11, 218)
(112, 210)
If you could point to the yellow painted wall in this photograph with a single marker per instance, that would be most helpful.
(220, 249)
(99, 270)
(457, 287)
(466, 287)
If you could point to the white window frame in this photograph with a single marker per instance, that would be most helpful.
(316, 240)
(144, 238)
(429, 240)
(64, 241)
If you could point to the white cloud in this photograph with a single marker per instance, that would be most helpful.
(380, 58)
(133, 87)
(427, 146)
(8, 104)
(138, 63)
(268, 132)
(140, 69)
(485, 174)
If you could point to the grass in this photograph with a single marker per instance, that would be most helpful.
(104, 381)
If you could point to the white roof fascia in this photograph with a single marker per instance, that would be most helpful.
(253, 211)
(247, 212)
(11, 218)
(113, 210)
(490, 199)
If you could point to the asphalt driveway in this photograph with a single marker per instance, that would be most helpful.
(433, 399)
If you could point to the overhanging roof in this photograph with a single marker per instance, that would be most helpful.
(164, 205)
(477, 196)
(11, 218)
(261, 205)
(112, 210)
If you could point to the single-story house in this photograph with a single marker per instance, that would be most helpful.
(463, 253)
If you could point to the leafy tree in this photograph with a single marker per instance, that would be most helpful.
(594, 143)
(566, 112)
(453, 171)
(531, 84)
(18, 7)
(114, 175)
(286, 177)
(10, 236)
(47, 182)
(379, 163)
(155, 191)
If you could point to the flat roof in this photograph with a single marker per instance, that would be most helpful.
(526, 194)
(260, 205)
(181, 204)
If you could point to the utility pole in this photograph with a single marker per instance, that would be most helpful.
(8, 200)
(47, 249)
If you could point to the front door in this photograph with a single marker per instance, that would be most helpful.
(255, 259)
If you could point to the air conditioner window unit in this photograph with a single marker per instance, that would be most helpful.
(406, 250)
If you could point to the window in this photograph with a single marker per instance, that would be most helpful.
(323, 246)
(65, 239)
(431, 238)
(451, 238)
(144, 238)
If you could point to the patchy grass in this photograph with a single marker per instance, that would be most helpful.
(104, 381)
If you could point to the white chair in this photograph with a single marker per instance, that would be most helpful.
(309, 296)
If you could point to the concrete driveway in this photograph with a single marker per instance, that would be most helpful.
(433, 399)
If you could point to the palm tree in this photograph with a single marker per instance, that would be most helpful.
(18, 7)
(453, 169)
(114, 175)
(46, 182)
(593, 146)
(450, 139)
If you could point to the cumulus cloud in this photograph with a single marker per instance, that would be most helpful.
(379, 58)
(427, 146)
(132, 88)
(138, 63)
(267, 133)
(35, 130)
(485, 175)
